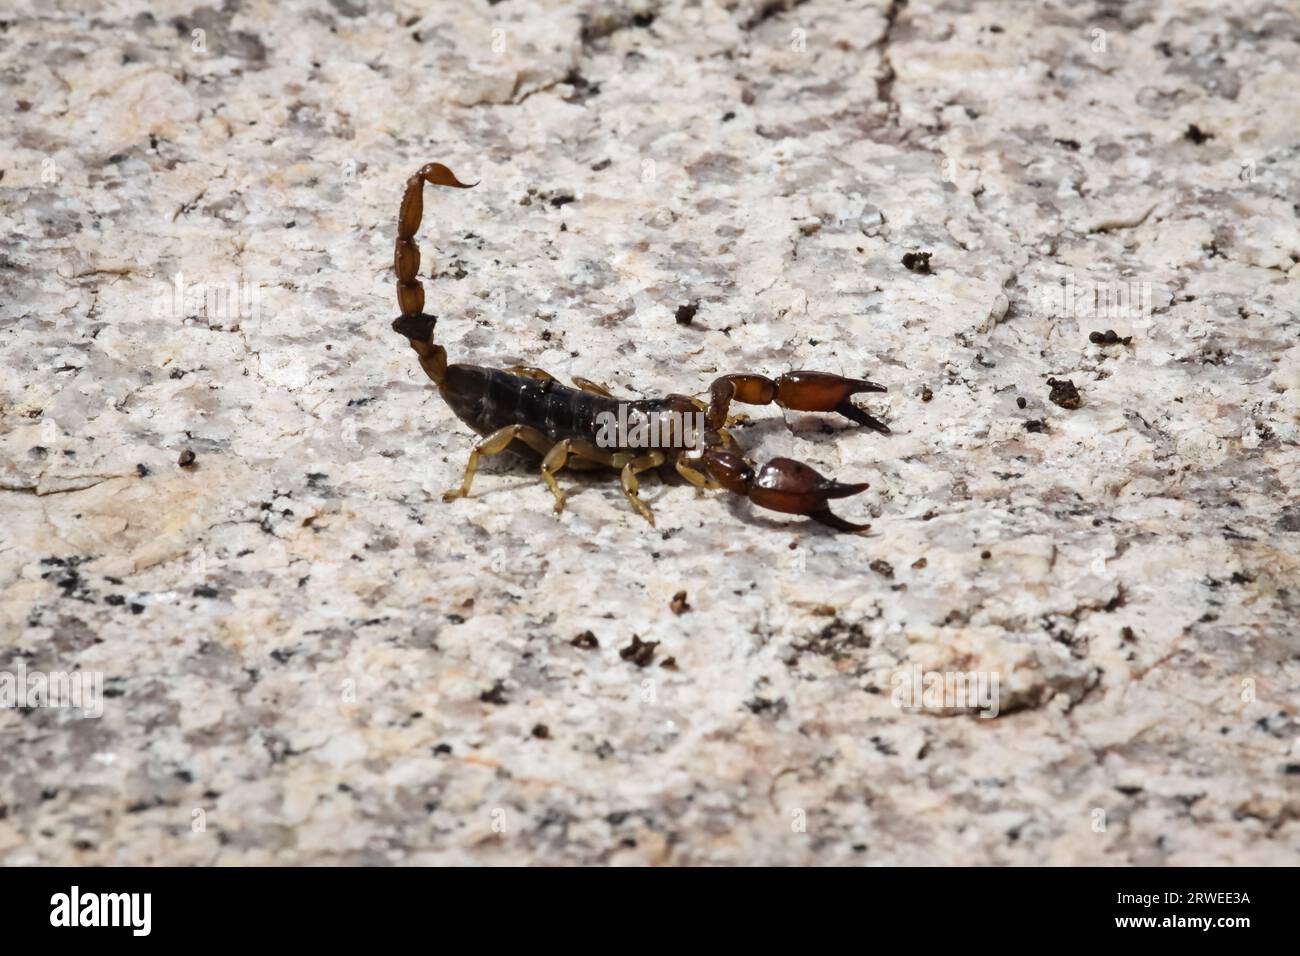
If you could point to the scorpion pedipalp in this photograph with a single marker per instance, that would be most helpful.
(784, 485)
(798, 391)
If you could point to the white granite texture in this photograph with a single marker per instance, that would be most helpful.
(309, 658)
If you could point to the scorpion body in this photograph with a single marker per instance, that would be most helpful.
(527, 412)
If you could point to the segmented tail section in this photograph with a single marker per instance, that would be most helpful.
(413, 323)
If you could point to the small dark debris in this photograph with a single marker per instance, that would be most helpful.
(541, 732)
(142, 470)
(1290, 519)
(204, 591)
(586, 640)
(883, 568)
(920, 563)
(685, 313)
(583, 89)
(763, 706)
(669, 663)
(1035, 426)
(639, 652)
(563, 199)
(1064, 393)
(728, 116)
(495, 695)
(884, 747)
(985, 555)
(678, 604)
(1197, 135)
(1071, 144)
(926, 394)
(918, 262)
(600, 164)
(1020, 401)
(1109, 337)
(186, 459)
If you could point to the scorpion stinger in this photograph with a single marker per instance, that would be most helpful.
(413, 323)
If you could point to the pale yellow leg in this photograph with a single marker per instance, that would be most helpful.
(698, 478)
(555, 460)
(494, 444)
(575, 453)
(731, 419)
(591, 387)
(528, 371)
(630, 485)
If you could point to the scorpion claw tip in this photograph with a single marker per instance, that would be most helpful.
(832, 520)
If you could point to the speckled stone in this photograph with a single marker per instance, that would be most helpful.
(309, 658)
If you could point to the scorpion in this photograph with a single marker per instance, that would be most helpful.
(527, 412)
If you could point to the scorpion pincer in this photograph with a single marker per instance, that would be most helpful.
(527, 412)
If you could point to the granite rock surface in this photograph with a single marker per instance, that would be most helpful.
(308, 657)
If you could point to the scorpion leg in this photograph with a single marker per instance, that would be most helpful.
(586, 385)
(559, 456)
(694, 470)
(555, 460)
(528, 371)
(699, 479)
(797, 391)
(631, 487)
(494, 444)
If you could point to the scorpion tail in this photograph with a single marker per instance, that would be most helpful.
(413, 322)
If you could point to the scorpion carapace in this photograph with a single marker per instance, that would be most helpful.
(526, 411)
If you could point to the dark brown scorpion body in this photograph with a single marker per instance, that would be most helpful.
(528, 412)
